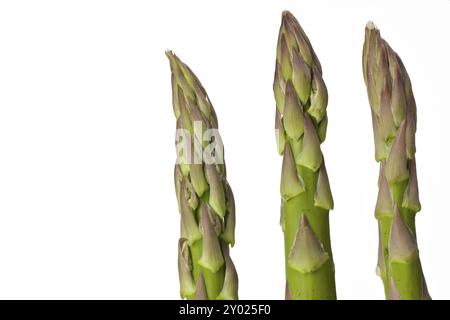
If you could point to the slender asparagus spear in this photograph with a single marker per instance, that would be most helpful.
(205, 199)
(394, 120)
(301, 122)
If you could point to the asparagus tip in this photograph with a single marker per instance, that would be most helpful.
(371, 25)
(169, 53)
(286, 13)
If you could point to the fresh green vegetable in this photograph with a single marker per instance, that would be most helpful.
(205, 199)
(394, 121)
(301, 123)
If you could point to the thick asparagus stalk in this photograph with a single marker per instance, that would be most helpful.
(301, 123)
(393, 111)
(205, 199)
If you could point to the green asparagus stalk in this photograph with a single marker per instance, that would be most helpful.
(394, 121)
(205, 199)
(301, 123)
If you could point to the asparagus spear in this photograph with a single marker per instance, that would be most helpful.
(394, 120)
(301, 122)
(205, 199)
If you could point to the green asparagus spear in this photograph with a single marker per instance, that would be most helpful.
(394, 120)
(205, 199)
(301, 123)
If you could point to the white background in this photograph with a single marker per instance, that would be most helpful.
(87, 204)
